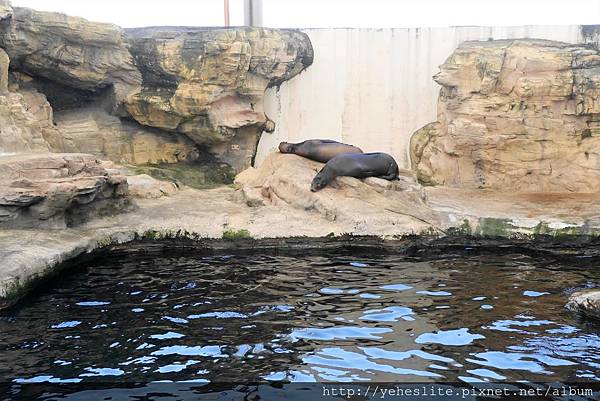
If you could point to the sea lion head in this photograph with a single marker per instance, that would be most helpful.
(285, 147)
(319, 182)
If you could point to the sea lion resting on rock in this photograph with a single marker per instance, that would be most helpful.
(321, 150)
(359, 165)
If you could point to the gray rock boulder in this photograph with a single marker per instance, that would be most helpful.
(57, 190)
(586, 303)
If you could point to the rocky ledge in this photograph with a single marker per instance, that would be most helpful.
(209, 84)
(373, 205)
(57, 190)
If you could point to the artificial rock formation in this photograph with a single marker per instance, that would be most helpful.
(284, 180)
(20, 129)
(6, 10)
(517, 115)
(25, 117)
(92, 130)
(72, 51)
(586, 303)
(141, 96)
(145, 187)
(57, 190)
(209, 83)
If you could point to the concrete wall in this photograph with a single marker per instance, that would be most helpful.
(373, 87)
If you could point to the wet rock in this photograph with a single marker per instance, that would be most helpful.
(70, 50)
(57, 190)
(587, 303)
(517, 115)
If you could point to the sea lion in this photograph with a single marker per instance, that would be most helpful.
(320, 150)
(359, 165)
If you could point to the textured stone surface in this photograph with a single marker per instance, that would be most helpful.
(514, 115)
(6, 10)
(209, 83)
(92, 130)
(204, 85)
(20, 131)
(26, 118)
(144, 186)
(284, 179)
(187, 86)
(586, 303)
(4, 64)
(70, 50)
(57, 190)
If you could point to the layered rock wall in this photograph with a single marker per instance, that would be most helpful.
(25, 117)
(185, 90)
(70, 50)
(57, 190)
(120, 140)
(209, 84)
(516, 115)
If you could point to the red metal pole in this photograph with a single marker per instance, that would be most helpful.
(226, 5)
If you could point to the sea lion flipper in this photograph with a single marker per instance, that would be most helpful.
(389, 177)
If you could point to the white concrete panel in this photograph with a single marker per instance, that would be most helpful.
(373, 87)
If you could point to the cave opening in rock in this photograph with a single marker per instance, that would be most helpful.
(63, 97)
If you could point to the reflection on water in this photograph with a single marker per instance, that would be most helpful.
(240, 318)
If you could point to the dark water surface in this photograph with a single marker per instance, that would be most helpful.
(228, 319)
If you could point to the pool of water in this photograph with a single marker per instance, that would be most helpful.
(225, 319)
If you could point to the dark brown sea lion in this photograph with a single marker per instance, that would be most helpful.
(321, 150)
(359, 165)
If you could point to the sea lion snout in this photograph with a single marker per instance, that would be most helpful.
(285, 147)
(318, 183)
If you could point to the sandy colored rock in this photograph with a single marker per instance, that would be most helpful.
(26, 123)
(25, 117)
(144, 186)
(518, 115)
(4, 63)
(209, 84)
(70, 50)
(92, 130)
(284, 179)
(197, 92)
(586, 303)
(57, 190)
